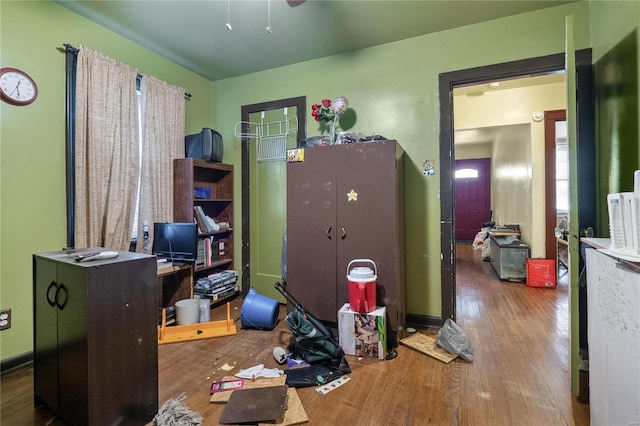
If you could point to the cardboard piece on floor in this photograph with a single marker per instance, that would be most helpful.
(294, 414)
(255, 405)
(223, 397)
(427, 345)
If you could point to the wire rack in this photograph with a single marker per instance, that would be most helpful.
(270, 137)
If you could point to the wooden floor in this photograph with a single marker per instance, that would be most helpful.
(520, 374)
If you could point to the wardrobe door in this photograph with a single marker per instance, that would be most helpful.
(312, 233)
(368, 214)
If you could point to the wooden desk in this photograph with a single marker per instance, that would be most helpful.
(174, 283)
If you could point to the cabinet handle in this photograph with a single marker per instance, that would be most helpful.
(329, 232)
(344, 233)
(61, 288)
(50, 301)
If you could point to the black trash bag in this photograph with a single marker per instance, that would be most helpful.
(452, 339)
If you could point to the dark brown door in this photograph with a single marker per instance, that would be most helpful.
(311, 231)
(473, 195)
(367, 218)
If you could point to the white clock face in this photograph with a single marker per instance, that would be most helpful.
(15, 86)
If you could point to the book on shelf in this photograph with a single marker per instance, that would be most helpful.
(206, 253)
(202, 220)
(201, 259)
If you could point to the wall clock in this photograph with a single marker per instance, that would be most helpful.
(17, 87)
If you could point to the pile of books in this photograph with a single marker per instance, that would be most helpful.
(216, 286)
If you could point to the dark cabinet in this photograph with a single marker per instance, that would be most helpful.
(95, 337)
(344, 202)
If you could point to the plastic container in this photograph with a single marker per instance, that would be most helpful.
(187, 311)
(541, 273)
(259, 311)
(205, 310)
(362, 286)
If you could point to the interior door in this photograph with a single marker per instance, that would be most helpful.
(268, 198)
(574, 225)
(472, 196)
(271, 268)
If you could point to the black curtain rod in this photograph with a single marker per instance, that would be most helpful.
(70, 49)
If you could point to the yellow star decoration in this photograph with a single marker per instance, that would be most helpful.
(352, 196)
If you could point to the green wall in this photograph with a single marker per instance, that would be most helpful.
(32, 154)
(393, 90)
(616, 44)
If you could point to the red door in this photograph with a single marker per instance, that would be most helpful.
(473, 195)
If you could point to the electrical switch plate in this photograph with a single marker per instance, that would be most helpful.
(5, 319)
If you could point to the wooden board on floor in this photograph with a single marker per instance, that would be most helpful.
(427, 345)
(255, 405)
(295, 413)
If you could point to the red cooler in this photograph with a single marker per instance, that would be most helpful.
(362, 286)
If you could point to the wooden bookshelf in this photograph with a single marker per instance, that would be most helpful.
(216, 181)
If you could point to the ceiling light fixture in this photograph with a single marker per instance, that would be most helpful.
(269, 17)
(494, 85)
(229, 15)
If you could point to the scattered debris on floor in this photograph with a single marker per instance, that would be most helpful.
(259, 371)
(427, 345)
(294, 413)
(452, 338)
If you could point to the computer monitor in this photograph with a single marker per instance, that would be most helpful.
(175, 241)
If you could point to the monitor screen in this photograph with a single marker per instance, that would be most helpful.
(175, 241)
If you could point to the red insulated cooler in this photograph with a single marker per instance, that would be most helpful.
(541, 273)
(362, 286)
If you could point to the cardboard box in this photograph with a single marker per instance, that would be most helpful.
(541, 273)
(363, 335)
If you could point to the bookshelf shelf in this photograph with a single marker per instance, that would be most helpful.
(216, 265)
(215, 181)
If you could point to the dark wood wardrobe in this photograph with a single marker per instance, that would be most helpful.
(344, 202)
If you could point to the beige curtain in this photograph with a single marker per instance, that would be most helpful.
(162, 107)
(107, 153)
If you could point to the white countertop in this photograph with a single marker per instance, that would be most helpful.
(603, 244)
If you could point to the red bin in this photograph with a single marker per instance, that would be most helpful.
(362, 286)
(541, 273)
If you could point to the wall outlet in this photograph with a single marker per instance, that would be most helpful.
(5, 319)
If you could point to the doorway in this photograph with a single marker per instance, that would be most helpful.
(264, 192)
(510, 70)
(557, 178)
